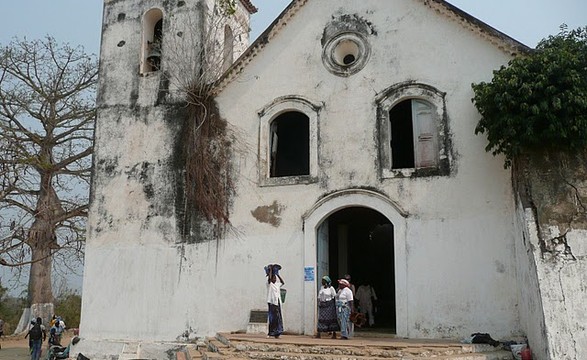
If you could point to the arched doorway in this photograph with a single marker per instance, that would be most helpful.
(360, 241)
(375, 216)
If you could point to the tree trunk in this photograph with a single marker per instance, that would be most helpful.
(40, 288)
(42, 240)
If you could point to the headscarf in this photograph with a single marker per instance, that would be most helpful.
(327, 279)
(344, 282)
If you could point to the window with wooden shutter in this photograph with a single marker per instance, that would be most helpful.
(425, 134)
(413, 131)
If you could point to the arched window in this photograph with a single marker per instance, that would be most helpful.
(288, 135)
(152, 41)
(290, 145)
(228, 50)
(413, 131)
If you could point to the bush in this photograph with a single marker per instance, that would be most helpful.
(539, 101)
(69, 306)
(10, 310)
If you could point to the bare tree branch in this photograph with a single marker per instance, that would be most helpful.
(47, 113)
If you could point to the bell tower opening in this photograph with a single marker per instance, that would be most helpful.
(151, 49)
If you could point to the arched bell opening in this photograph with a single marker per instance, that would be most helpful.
(152, 46)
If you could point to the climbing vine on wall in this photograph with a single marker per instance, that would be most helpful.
(207, 150)
(196, 61)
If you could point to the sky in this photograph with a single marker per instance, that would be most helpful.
(78, 22)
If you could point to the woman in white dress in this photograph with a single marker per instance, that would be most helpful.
(327, 321)
(344, 307)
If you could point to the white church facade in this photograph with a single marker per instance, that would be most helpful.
(356, 154)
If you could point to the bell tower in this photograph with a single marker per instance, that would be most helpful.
(150, 51)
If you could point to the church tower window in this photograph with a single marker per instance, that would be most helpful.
(152, 49)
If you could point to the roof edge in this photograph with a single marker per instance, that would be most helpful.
(249, 6)
(501, 40)
(513, 46)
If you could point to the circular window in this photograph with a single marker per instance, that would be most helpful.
(345, 54)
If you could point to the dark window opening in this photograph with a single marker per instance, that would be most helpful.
(154, 55)
(349, 59)
(402, 136)
(290, 145)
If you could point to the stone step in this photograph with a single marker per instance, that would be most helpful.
(193, 352)
(304, 356)
(337, 348)
(216, 345)
(306, 348)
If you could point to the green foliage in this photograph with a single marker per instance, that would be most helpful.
(10, 310)
(228, 7)
(539, 101)
(69, 306)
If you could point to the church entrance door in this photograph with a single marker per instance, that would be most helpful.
(360, 241)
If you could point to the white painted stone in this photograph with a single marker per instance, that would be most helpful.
(460, 263)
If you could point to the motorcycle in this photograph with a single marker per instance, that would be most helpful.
(59, 352)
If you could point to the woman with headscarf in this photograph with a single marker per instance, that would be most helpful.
(327, 321)
(344, 308)
(274, 284)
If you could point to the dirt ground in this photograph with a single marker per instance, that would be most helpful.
(16, 347)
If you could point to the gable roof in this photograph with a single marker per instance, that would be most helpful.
(499, 39)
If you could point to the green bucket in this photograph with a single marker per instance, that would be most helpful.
(283, 292)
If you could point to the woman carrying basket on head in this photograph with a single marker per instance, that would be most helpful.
(274, 284)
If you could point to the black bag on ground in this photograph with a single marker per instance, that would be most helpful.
(483, 338)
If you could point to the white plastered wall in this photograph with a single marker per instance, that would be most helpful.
(455, 263)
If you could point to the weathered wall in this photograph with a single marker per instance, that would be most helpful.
(459, 239)
(137, 263)
(530, 299)
(553, 190)
(455, 251)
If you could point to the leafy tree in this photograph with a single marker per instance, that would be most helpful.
(47, 112)
(539, 101)
(69, 307)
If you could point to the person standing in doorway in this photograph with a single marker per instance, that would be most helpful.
(365, 297)
(347, 277)
(274, 315)
(327, 321)
(344, 307)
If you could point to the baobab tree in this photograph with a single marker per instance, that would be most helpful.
(47, 114)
